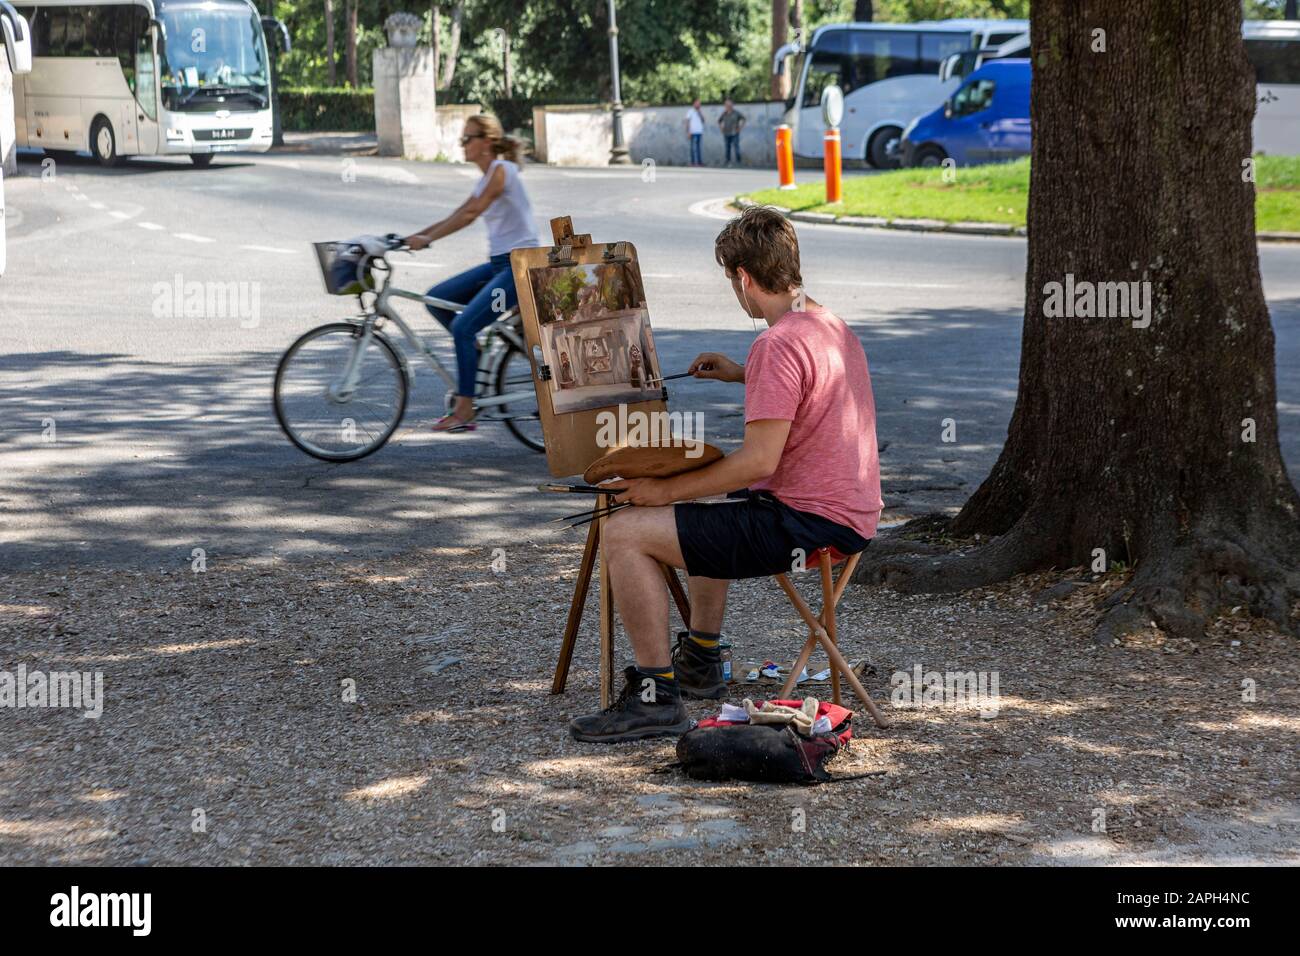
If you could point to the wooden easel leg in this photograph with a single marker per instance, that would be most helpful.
(575, 609)
(606, 615)
(679, 594)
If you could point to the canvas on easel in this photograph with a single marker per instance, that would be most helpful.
(589, 338)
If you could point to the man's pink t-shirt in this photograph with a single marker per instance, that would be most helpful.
(810, 369)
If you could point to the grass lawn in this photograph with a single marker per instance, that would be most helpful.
(1000, 193)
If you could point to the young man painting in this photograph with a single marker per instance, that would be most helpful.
(808, 466)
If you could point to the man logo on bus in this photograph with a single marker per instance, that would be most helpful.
(199, 40)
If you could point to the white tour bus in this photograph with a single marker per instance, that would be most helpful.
(145, 78)
(888, 73)
(1274, 50)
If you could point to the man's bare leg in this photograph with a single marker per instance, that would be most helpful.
(636, 540)
(708, 603)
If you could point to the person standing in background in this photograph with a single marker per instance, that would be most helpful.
(695, 131)
(732, 122)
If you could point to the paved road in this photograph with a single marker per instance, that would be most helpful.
(165, 440)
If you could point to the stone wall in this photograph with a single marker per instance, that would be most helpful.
(581, 135)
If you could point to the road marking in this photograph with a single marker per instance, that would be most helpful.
(97, 205)
(190, 237)
(118, 214)
(148, 225)
(660, 275)
(287, 252)
(712, 208)
(421, 265)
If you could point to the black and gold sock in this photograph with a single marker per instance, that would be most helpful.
(665, 679)
(708, 645)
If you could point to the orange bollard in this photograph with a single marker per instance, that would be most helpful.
(785, 156)
(831, 150)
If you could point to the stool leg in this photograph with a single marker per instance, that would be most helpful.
(815, 632)
(838, 661)
(828, 617)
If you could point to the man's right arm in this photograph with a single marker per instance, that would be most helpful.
(717, 366)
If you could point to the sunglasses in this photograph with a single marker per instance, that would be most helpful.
(464, 140)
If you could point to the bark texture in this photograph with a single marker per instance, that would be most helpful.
(1134, 440)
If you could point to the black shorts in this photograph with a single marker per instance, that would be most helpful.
(755, 535)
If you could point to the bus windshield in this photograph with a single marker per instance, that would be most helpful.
(214, 57)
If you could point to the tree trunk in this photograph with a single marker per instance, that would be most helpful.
(453, 44)
(505, 61)
(862, 12)
(780, 88)
(1157, 444)
(435, 40)
(330, 65)
(352, 43)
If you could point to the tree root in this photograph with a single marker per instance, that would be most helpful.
(1202, 575)
(1177, 588)
(914, 568)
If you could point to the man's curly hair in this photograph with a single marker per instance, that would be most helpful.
(762, 241)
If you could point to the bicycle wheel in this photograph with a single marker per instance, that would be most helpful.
(515, 374)
(319, 418)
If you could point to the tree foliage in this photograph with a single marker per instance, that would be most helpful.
(670, 51)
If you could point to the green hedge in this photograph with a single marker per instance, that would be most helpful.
(343, 109)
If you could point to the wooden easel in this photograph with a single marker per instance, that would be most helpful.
(591, 553)
(571, 444)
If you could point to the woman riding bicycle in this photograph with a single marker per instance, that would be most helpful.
(488, 289)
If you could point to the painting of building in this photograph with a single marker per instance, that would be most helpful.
(596, 337)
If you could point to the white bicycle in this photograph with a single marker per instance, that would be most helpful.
(341, 389)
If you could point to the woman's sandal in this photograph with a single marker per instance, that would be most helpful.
(452, 425)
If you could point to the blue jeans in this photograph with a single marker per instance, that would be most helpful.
(696, 157)
(733, 139)
(476, 288)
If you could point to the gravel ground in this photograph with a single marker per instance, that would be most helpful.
(227, 735)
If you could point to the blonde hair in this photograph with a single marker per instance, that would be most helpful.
(507, 147)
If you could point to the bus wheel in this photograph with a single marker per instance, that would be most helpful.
(928, 157)
(103, 145)
(882, 151)
(201, 160)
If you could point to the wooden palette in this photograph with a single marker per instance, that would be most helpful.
(661, 461)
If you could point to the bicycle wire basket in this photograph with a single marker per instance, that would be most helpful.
(338, 267)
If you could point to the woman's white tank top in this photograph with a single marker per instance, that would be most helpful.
(510, 217)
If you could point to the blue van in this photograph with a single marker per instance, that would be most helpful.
(985, 121)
